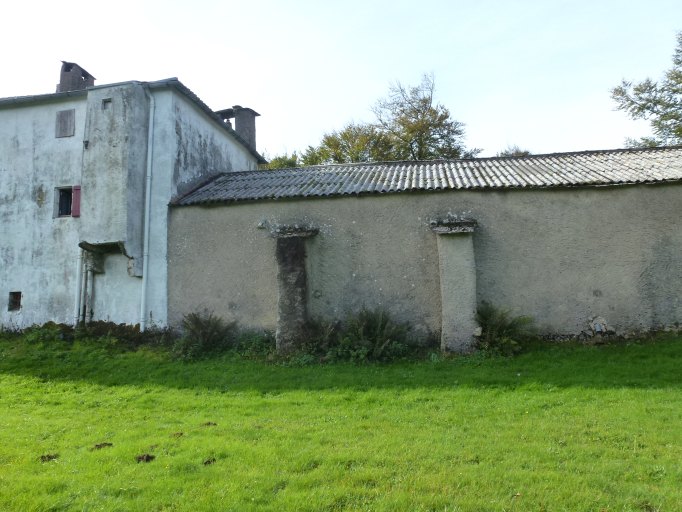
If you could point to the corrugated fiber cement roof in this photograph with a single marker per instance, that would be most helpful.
(587, 168)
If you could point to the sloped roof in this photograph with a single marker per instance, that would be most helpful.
(586, 168)
(158, 84)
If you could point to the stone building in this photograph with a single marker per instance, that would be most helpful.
(136, 203)
(86, 175)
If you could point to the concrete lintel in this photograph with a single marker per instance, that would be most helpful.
(103, 247)
(293, 231)
(452, 226)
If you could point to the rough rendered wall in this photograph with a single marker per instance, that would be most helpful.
(202, 148)
(562, 256)
(189, 147)
(102, 149)
(38, 251)
(116, 296)
(114, 163)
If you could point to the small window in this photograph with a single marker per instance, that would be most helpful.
(14, 303)
(106, 103)
(66, 123)
(68, 202)
(65, 200)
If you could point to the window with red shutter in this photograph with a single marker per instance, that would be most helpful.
(76, 201)
(68, 201)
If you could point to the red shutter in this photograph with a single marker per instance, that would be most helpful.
(76, 201)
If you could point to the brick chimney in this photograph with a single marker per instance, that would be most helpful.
(244, 122)
(74, 78)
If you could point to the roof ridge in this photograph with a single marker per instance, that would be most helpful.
(475, 159)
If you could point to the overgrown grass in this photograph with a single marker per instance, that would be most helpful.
(565, 428)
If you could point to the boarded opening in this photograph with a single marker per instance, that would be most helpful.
(66, 123)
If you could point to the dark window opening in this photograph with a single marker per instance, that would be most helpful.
(106, 103)
(14, 301)
(68, 202)
(65, 202)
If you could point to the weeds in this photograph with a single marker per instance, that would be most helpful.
(502, 333)
(255, 345)
(106, 334)
(204, 334)
(368, 336)
(48, 332)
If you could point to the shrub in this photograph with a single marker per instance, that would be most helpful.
(371, 336)
(48, 332)
(125, 336)
(368, 336)
(501, 333)
(204, 334)
(255, 345)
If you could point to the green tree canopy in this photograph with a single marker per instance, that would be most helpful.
(514, 151)
(354, 143)
(409, 125)
(284, 161)
(658, 102)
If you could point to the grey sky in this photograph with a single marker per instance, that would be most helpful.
(532, 73)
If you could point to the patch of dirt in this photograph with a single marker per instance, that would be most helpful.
(178, 434)
(99, 446)
(209, 424)
(145, 457)
(48, 457)
(210, 461)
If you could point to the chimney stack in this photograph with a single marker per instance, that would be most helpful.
(74, 78)
(244, 122)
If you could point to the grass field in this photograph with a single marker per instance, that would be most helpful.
(562, 428)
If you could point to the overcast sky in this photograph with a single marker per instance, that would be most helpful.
(535, 73)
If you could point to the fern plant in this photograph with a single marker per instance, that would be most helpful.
(502, 333)
(204, 333)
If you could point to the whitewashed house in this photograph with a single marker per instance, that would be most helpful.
(86, 176)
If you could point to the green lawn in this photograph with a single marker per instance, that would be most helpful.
(564, 428)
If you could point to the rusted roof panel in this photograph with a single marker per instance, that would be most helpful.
(587, 168)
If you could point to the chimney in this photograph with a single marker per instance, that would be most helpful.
(74, 78)
(244, 122)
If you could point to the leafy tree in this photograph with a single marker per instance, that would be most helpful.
(418, 129)
(408, 126)
(658, 102)
(354, 143)
(514, 151)
(284, 161)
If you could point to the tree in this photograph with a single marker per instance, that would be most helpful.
(284, 161)
(408, 126)
(514, 151)
(658, 102)
(354, 143)
(416, 128)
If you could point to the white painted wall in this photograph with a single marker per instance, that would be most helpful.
(116, 294)
(38, 253)
(189, 147)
